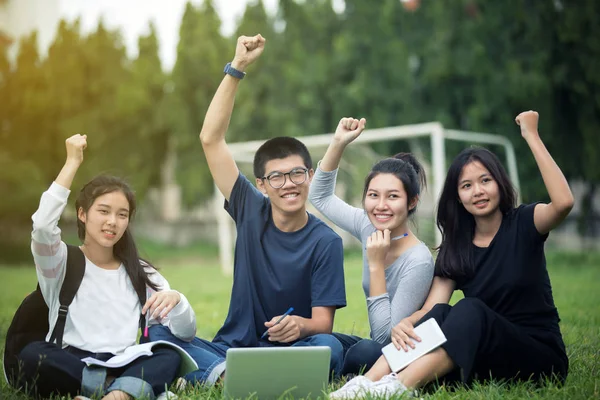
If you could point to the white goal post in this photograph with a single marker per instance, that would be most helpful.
(244, 153)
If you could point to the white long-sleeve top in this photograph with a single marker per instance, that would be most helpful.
(407, 279)
(104, 315)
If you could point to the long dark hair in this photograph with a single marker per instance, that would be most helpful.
(125, 249)
(457, 225)
(407, 169)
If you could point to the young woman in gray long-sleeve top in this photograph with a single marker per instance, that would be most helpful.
(398, 267)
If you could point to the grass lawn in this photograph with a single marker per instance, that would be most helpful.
(195, 272)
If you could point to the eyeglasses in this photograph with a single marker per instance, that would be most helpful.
(277, 179)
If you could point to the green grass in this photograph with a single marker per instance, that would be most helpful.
(195, 272)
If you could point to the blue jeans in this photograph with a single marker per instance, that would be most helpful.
(48, 370)
(210, 356)
(359, 354)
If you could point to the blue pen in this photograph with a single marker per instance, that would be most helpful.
(288, 312)
(400, 237)
(397, 237)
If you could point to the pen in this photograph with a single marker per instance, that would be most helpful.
(288, 312)
(397, 237)
(400, 237)
(147, 317)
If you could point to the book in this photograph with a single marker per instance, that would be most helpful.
(431, 338)
(145, 349)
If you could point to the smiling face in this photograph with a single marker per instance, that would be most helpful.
(289, 199)
(386, 203)
(478, 190)
(106, 220)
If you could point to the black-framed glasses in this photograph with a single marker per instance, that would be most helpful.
(277, 179)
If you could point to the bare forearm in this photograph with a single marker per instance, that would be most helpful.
(67, 173)
(219, 112)
(417, 315)
(314, 326)
(332, 157)
(377, 285)
(556, 183)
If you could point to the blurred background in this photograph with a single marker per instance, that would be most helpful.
(137, 77)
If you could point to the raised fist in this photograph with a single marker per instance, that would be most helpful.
(75, 146)
(248, 49)
(349, 129)
(528, 121)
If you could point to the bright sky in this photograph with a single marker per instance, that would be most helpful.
(132, 17)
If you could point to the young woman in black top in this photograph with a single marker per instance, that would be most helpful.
(506, 327)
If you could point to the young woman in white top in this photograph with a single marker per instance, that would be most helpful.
(103, 319)
(398, 267)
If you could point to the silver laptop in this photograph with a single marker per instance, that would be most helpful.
(277, 372)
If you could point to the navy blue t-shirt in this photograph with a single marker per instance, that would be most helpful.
(275, 270)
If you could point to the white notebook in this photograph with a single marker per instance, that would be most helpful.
(145, 349)
(431, 338)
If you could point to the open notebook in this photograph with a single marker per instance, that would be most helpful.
(145, 349)
(431, 338)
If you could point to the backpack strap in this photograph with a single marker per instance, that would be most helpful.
(141, 292)
(142, 297)
(73, 277)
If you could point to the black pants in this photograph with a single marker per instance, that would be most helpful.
(484, 344)
(359, 354)
(47, 369)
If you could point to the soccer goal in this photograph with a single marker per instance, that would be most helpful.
(243, 153)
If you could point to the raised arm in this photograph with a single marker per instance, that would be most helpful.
(546, 216)
(322, 187)
(347, 130)
(49, 252)
(220, 160)
(75, 146)
(46, 234)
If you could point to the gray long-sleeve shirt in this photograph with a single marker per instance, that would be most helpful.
(407, 279)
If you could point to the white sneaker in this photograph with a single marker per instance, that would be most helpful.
(168, 395)
(356, 387)
(388, 386)
(180, 384)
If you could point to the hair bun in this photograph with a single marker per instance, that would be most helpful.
(413, 162)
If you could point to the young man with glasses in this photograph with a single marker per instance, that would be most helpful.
(284, 257)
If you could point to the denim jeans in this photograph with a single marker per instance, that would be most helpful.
(210, 356)
(359, 354)
(49, 370)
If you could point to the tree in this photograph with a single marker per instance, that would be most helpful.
(21, 180)
(255, 110)
(201, 55)
(142, 114)
(306, 76)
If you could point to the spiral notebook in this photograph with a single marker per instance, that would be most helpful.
(431, 336)
(145, 349)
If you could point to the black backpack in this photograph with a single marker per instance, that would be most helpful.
(30, 322)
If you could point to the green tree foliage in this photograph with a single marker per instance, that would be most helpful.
(86, 84)
(201, 54)
(20, 174)
(305, 75)
(470, 64)
(142, 112)
(256, 113)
